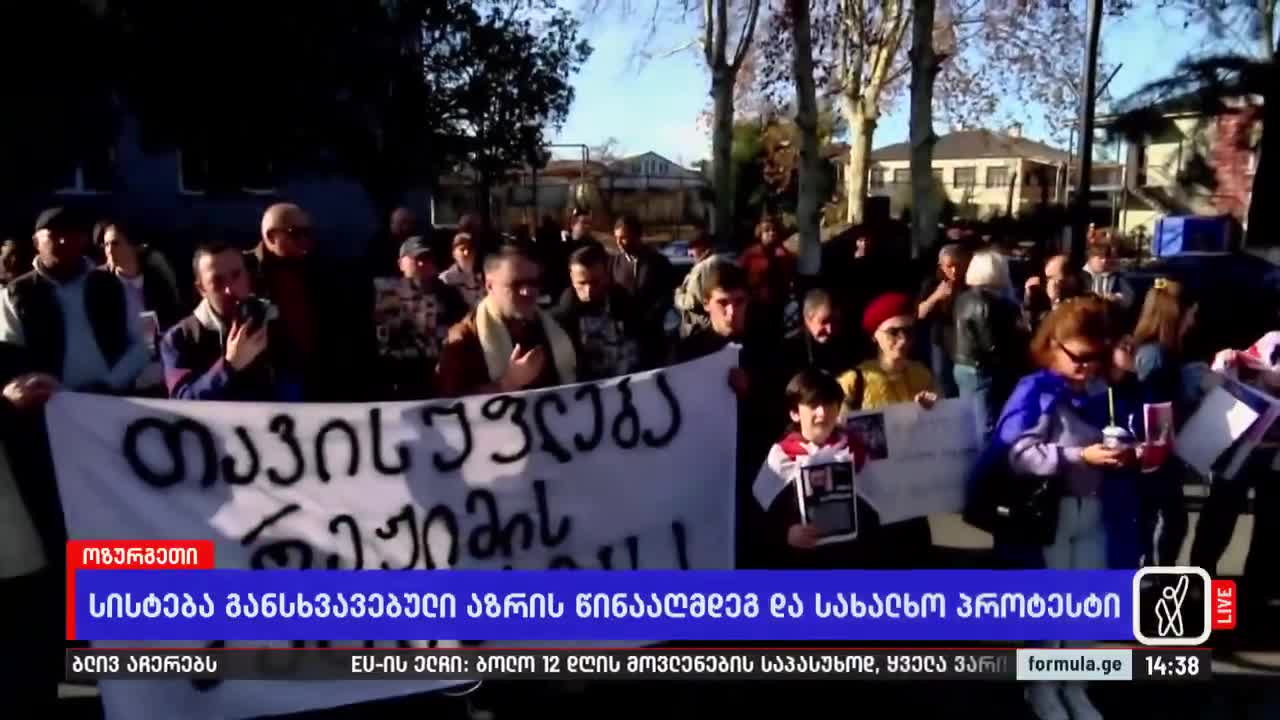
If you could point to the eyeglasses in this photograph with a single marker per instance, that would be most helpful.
(1094, 358)
(898, 331)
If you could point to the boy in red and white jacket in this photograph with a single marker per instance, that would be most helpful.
(813, 400)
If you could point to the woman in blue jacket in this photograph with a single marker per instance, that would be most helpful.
(1051, 427)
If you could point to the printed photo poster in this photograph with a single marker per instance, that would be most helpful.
(918, 460)
(629, 473)
(826, 490)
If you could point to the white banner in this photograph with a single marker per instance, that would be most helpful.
(917, 460)
(636, 472)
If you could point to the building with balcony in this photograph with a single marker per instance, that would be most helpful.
(1186, 162)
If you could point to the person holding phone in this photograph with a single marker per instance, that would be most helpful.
(222, 350)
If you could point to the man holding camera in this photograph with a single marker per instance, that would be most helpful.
(221, 351)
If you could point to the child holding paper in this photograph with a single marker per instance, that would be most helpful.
(813, 402)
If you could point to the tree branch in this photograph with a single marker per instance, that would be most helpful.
(898, 73)
(682, 47)
(748, 32)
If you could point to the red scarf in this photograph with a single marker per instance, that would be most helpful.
(795, 446)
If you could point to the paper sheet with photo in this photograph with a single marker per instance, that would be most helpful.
(918, 460)
(1219, 421)
(826, 484)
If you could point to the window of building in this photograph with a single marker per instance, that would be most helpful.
(937, 176)
(902, 176)
(997, 177)
(966, 176)
(877, 177)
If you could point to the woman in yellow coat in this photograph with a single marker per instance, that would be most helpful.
(892, 377)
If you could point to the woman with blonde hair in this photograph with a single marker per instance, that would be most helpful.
(990, 340)
(1166, 318)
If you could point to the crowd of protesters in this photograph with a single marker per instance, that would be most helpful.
(276, 323)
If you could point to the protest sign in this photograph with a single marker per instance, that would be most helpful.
(1214, 427)
(630, 473)
(917, 460)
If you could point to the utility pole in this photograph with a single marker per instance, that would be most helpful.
(1080, 218)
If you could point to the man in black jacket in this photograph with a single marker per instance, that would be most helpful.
(643, 272)
(608, 334)
(821, 343)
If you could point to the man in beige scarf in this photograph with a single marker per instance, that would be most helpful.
(507, 343)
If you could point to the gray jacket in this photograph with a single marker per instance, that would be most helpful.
(1106, 284)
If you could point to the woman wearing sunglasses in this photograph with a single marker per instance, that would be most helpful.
(892, 378)
(1051, 427)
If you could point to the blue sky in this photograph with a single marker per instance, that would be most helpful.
(655, 105)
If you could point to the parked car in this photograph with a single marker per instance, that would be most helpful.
(1238, 293)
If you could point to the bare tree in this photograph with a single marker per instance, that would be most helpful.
(607, 151)
(719, 19)
(868, 37)
(926, 61)
(724, 64)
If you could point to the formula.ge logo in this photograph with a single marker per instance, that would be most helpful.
(1180, 606)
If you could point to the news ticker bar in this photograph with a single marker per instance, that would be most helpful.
(1027, 664)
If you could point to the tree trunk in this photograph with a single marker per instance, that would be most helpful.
(925, 203)
(862, 126)
(721, 154)
(1081, 207)
(808, 202)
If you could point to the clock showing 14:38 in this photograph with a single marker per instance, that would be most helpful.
(1175, 664)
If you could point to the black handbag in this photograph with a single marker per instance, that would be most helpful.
(1015, 509)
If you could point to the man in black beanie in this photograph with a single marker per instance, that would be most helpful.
(66, 319)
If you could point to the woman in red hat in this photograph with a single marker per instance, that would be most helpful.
(892, 377)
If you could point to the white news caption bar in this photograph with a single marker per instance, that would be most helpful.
(1074, 664)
